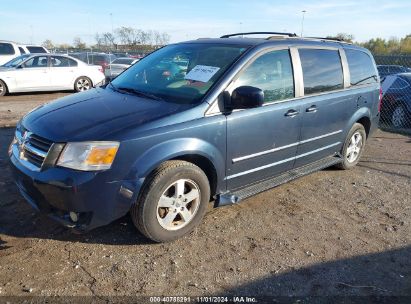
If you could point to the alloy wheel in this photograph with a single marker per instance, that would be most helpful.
(83, 84)
(354, 147)
(178, 204)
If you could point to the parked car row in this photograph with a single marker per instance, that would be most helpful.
(10, 50)
(48, 72)
(396, 103)
(119, 65)
(391, 69)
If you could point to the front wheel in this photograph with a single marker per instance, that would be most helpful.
(353, 147)
(173, 201)
(82, 83)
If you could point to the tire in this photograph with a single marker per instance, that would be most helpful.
(184, 190)
(82, 84)
(353, 147)
(3, 88)
(398, 117)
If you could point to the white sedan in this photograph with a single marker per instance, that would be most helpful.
(48, 72)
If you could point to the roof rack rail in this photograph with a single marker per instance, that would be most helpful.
(328, 38)
(260, 33)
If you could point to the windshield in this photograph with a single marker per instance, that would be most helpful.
(16, 61)
(181, 73)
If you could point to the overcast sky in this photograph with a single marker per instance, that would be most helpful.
(35, 21)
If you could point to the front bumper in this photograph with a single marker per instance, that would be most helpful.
(58, 191)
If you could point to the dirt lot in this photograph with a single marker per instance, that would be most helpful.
(331, 233)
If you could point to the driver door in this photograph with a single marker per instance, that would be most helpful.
(262, 142)
(34, 74)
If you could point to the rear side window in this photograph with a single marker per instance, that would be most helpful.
(59, 61)
(362, 70)
(399, 84)
(322, 70)
(36, 49)
(6, 49)
(22, 51)
(272, 73)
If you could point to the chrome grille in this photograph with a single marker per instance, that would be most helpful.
(32, 148)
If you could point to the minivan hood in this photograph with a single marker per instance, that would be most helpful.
(94, 114)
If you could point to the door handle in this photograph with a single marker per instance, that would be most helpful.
(292, 113)
(312, 109)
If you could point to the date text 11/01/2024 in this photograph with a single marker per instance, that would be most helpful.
(204, 299)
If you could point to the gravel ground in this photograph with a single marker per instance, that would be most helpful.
(331, 233)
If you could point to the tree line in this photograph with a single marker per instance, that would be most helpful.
(381, 46)
(129, 38)
(122, 38)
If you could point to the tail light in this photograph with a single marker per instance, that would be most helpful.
(104, 65)
(380, 101)
(100, 68)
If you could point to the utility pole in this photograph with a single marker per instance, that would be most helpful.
(111, 18)
(302, 22)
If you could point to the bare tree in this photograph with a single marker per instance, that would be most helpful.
(109, 39)
(48, 44)
(78, 43)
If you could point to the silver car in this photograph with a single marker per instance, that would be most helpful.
(118, 66)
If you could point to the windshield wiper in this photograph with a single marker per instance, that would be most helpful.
(138, 93)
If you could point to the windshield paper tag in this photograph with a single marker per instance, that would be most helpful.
(201, 73)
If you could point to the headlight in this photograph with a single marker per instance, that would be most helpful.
(13, 142)
(88, 156)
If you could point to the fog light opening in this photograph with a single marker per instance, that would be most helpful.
(74, 216)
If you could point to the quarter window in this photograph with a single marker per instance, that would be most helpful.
(272, 73)
(36, 49)
(6, 49)
(322, 70)
(362, 70)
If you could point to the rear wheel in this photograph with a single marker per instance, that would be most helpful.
(3, 88)
(173, 201)
(82, 83)
(353, 147)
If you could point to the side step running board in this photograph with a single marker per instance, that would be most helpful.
(239, 195)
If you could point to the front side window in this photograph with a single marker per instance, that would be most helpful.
(180, 73)
(272, 73)
(6, 49)
(36, 62)
(362, 70)
(322, 70)
(16, 61)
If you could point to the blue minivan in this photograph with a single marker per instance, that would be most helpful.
(207, 120)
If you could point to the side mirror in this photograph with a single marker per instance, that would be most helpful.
(246, 97)
(19, 66)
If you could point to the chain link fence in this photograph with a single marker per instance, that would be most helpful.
(395, 74)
